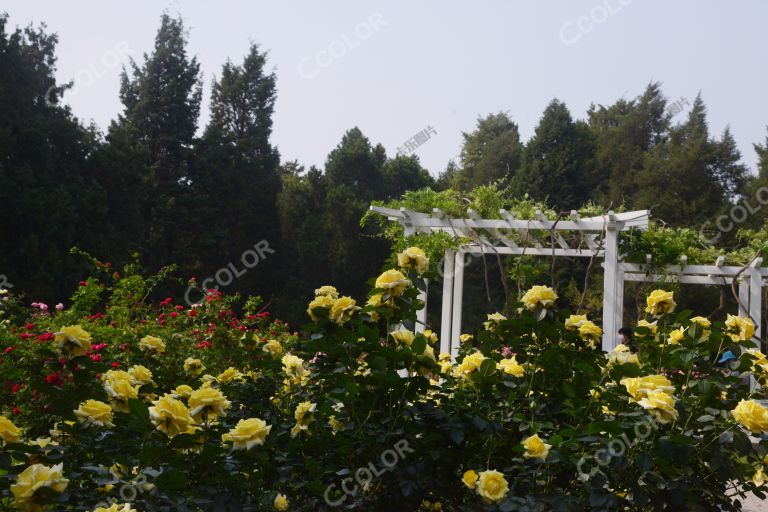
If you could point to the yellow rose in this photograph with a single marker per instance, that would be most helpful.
(36, 477)
(171, 416)
(510, 366)
(323, 302)
(430, 336)
(590, 332)
(493, 320)
(336, 425)
(536, 448)
(125, 507)
(342, 309)
(303, 416)
(293, 367)
(660, 302)
(466, 338)
(539, 297)
(702, 321)
(247, 434)
(573, 322)
(9, 433)
(207, 404)
(492, 486)
(327, 290)
(403, 337)
(759, 477)
(676, 336)
(280, 503)
(141, 375)
(639, 387)
(273, 348)
(73, 340)
(392, 282)
(120, 388)
(229, 375)
(622, 355)
(470, 479)
(661, 404)
(93, 412)
(648, 325)
(183, 391)
(752, 415)
(193, 366)
(745, 327)
(414, 258)
(152, 344)
(468, 365)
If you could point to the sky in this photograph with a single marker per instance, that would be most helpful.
(397, 68)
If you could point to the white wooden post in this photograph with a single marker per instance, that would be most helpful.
(743, 296)
(421, 315)
(755, 296)
(445, 315)
(458, 292)
(611, 309)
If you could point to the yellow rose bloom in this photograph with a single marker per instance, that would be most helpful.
(342, 309)
(535, 448)
(414, 258)
(493, 320)
(293, 367)
(36, 477)
(207, 404)
(125, 507)
(430, 336)
(73, 340)
(303, 416)
(327, 290)
(661, 405)
(470, 479)
(247, 434)
(492, 486)
(759, 477)
(280, 503)
(120, 388)
(510, 366)
(152, 344)
(676, 336)
(321, 301)
(648, 325)
(639, 387)
(468, 365)
(336, 425)
(702, 321)
(140, 375)
(171, 416)
(183, 391)
(622, 355)
(9, 433)
(403, 337)
(273, 348)
(392, 282)
(193, 366)
(573, 322)
(660, 302)
(744, 326)
(752, 415)
(466, 338)
(229, 375)
(539, 297)
(590, 332)
(94, 412)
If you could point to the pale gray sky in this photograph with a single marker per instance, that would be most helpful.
(393, 68)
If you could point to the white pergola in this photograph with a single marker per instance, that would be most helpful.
(592, 237)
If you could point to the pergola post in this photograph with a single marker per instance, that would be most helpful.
(446, 314)
(612, 310)
(458, 292)
(743, 297)
(421, 315)
(756, 296)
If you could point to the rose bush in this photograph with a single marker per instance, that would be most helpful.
(117, 404)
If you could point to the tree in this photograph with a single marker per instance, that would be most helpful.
(404, 173)
(489, 153)
(557, 161)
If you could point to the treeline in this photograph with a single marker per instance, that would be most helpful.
(151, 185)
